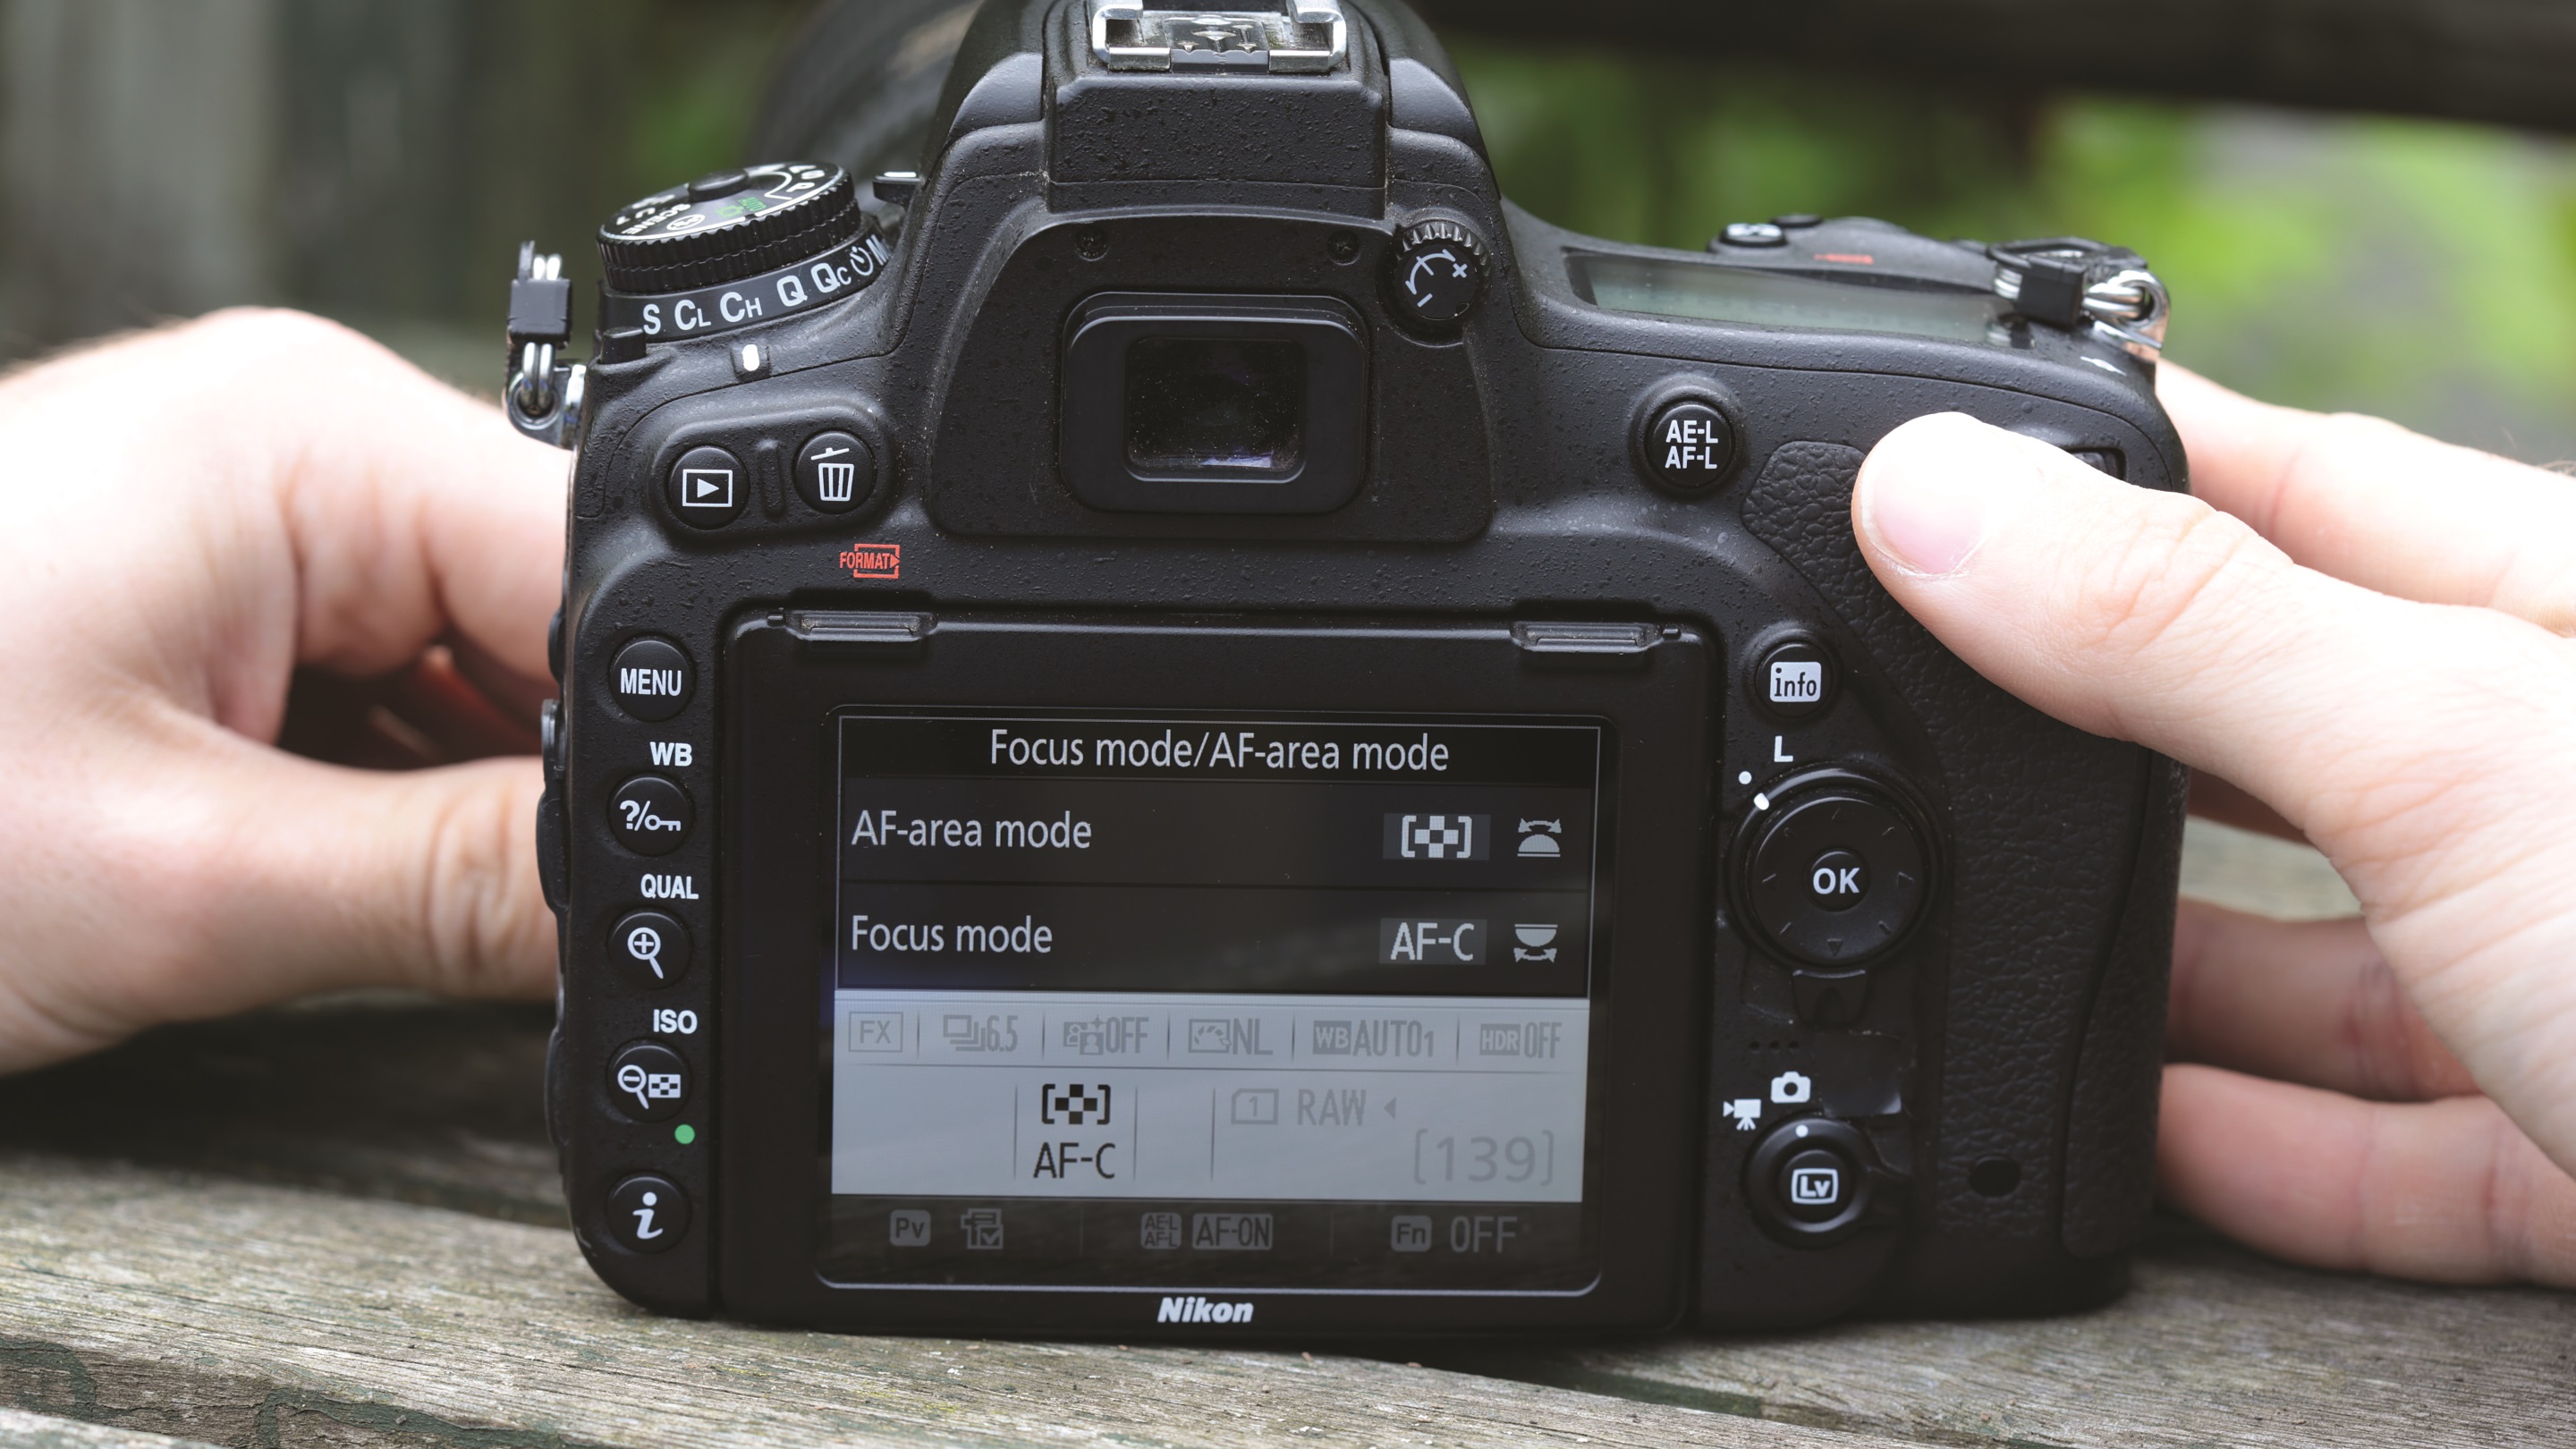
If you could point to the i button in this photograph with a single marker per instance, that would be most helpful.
(647, 1212)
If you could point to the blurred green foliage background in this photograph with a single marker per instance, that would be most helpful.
(2419, 270)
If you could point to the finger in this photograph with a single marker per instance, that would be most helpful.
(2215, 799)
(2448, 1191)
(331, 878)
(346, 877)
(2369, 502)
(2385, 731)
(2150, 616)
(355, 510)
(2310, 1001)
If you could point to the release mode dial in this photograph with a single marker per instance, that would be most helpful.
(1439, 270)
(729, 225)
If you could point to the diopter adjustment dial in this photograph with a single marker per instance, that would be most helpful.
(1438, 272)
(730, 225)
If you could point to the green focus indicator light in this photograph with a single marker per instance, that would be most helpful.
(684, 1134)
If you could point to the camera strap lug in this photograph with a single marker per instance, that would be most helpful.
(543, 395)
(2074, 284)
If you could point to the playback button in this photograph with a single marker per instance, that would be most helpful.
(708, 488)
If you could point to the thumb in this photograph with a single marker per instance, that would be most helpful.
(2151, 616)
(2374, 724)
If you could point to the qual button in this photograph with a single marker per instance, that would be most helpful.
(650, 949)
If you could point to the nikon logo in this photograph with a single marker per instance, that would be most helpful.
(1199, 1310)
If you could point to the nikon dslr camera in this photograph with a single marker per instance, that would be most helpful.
(1187, 722)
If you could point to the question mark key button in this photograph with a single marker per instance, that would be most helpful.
(648, 949)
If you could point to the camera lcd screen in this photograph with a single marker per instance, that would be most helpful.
(1715, 292)
(1230, 405)
(1232, 1001)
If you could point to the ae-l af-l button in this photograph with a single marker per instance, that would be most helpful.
(1688, 445)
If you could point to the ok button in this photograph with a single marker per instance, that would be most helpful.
(1837, 881)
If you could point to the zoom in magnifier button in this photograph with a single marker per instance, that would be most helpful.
(649, 949)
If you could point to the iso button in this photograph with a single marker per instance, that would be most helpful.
(707, 488)
(651, 815)
(651, 679)
(649, 1082)
(1689, 446)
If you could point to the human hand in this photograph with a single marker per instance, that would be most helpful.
(194, 515)
(2365, 631)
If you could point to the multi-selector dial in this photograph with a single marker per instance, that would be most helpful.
(1834, 872)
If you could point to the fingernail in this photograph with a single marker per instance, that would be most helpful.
(1930, 496)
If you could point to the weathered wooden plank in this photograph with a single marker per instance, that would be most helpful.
(249, 1314)
(23, 1430)
(2212, 1346)
(382, 1095)
(2249, 872)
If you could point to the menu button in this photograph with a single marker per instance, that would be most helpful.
(651, 678)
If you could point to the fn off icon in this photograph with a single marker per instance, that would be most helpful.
(1409, 1233)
